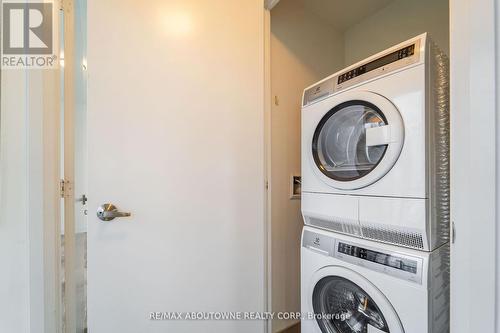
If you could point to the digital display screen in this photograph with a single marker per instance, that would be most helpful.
(377, 63)
(379, 258)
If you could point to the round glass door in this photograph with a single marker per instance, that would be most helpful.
(339, 144)
(341, 306)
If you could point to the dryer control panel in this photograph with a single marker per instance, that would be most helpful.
(402, 53)
(395, 58)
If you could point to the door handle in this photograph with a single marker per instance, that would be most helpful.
(108, 212)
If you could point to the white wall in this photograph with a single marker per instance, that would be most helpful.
(497, 153)
(400, 20)
(304, 49)
(29, 291)
(474, 166)
(29, 190)
(14, 280)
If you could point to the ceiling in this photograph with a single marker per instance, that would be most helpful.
(342, 14)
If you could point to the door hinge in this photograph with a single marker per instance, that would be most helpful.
(267, 185)
(65, 5)
(66, 188)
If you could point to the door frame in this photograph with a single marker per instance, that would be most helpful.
(70, 251)
(267, 160)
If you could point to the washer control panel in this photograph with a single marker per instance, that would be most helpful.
(392, 263)
(396, 264)
(407, 265)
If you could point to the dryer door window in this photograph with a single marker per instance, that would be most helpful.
(348, 142)
(341, 306)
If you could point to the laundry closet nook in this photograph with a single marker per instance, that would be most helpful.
(310, 40)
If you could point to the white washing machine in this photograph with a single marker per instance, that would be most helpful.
(375, 148)
(351, 285)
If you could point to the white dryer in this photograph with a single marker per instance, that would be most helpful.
(375, 148)
(351, 285)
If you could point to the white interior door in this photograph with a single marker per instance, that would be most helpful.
(175, 137)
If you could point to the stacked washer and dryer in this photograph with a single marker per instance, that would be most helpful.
(375, 195)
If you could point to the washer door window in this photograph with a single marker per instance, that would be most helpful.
(341, 306)
(358, 141)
